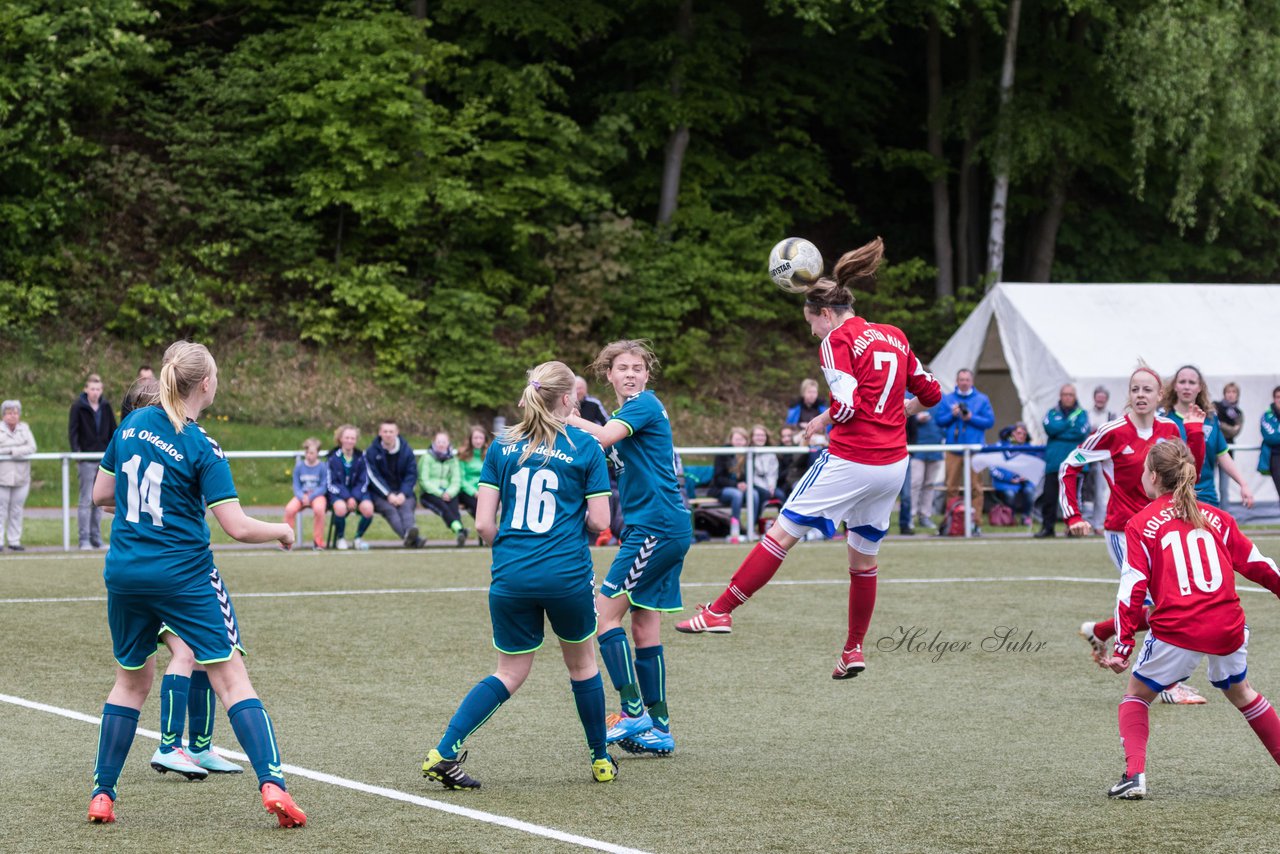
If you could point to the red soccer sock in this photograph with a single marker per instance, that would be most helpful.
(862, 601)
(756, 571)
(1135, 729)
(1266, 723)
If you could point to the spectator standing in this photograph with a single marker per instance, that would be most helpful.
(349, 486)
(1230, 422)
(1096, 483)
(964, 415)
(1066, 425)
(130, 401)
(392, 474)
(1269, 456)
(589, 407)
(905, 518)
(926, 466)
(470, 462)
(439, 480)
(89, 430)
(808, 407)
(16, 442)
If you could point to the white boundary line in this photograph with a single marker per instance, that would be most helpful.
(783, 582)
(381, 791)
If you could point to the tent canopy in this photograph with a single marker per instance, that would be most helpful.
(1024, 341)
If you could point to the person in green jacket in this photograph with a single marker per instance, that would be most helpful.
(470, 461)
(439, 479)
(1066, 425)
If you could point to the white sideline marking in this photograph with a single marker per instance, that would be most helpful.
(782, 582)
(381, 791)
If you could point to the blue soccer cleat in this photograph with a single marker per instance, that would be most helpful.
(621, 726)
(654, 742)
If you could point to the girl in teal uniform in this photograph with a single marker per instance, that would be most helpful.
(1187, 389)
(553, 487)
(157, 475)
(645, 575)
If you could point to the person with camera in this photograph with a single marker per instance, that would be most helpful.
(965, 415)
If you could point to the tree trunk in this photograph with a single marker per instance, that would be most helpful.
(1044, 238)
(945, 282)
(678, 141)
(1000, 194)
(968, 241)
(420, 9)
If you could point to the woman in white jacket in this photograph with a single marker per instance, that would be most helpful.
(16, 443)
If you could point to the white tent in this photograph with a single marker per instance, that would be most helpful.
(1025, 340)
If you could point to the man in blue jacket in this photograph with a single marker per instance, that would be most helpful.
(964, 415)
(393, 473)
(1066, 425)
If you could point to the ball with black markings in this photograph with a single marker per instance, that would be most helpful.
(794, 264)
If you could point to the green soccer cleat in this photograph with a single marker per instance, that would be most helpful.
(604, 770)
(212, 762)
(448, 772)
(178, 762)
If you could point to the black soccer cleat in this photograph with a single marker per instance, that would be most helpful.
(448, 772)
(1129, 788)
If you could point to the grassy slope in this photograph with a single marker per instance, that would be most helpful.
(976, 751)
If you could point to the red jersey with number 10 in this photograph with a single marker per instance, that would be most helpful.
(869, 367)
(1190, 575)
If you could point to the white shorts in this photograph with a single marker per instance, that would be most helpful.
(835, 491)
(1117, 547)
(1162, 664)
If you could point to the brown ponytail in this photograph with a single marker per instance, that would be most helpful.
(1175, 472)
(856, 270)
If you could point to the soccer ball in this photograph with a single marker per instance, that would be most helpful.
(794, 264)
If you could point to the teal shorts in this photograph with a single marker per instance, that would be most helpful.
(647, 570)
(201, 616)
(518, 620)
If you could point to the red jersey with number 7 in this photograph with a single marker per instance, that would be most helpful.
(869, 367)
(1189, 573)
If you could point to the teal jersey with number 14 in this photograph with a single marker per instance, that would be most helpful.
(164, 479)
(542, 548)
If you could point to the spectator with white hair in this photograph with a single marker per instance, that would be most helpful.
(16, 443)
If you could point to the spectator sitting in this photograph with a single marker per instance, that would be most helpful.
(439, 479)
(926, 466)
(589, 407)
(765, 466)
(16, 443)
(470, 461)
(91, 424)
(808, 407)
(964, 415)
(130, 401)
(349, 486)
(1066, 425)
(791, 467)
(1011, 489)
(729, 483)
(310, 489)
(393, 472)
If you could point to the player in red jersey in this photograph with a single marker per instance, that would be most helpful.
(1182, 553)
(1120, 447)
(868, 366)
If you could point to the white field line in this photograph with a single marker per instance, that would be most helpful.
(782, 582)
(355, 785)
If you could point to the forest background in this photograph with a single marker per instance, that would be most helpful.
(371, 207)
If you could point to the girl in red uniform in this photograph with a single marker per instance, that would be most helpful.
(868, 366)
(1181, 553)
(1120, 447)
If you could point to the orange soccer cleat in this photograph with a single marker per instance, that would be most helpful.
(102, 810)
(279, 803)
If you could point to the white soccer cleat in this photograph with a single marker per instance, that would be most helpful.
(1097, 648)
(343, 545)
(1181, 694)
(178, 762)
(210, 761)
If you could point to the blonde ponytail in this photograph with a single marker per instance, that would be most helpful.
(185, 365)
(549, 382)
(1175, 472)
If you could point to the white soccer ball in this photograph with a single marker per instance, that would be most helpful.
(794, 264)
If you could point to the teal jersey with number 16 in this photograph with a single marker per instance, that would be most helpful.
(542, 546)
(164, 480)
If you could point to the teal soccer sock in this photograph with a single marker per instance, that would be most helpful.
(588, 696)
(651, 671)
(254, 731)
(201, 705)
(477, 707)
(365, 522)
(173, 711)
(615, 649)
(339, 526)
(115, 737)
